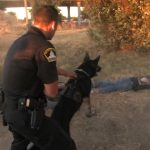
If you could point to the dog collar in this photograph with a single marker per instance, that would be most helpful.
(81, 70)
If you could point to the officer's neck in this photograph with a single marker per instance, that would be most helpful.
(44, 30)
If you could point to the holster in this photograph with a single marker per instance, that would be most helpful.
(36, 118)
(31, 103)
(35, 107)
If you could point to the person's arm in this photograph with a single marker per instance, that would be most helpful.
(51, 90)
(47, 70)
(66, 73)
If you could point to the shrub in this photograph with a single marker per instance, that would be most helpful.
(2, 6)
(119, 25)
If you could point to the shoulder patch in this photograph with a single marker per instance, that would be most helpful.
(50, 54)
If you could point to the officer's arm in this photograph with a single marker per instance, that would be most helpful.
(66, 73)
(51, 90)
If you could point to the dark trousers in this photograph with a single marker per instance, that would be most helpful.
(21, 142)
(50, 136)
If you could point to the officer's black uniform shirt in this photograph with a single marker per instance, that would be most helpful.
(30, 63)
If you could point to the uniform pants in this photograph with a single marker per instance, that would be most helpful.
(21, 142)
(50, 136)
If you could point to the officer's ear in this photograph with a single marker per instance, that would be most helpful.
(51, 25)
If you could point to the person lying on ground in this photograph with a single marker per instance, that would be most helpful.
(124, 84)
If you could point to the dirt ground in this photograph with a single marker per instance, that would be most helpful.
(122, 120)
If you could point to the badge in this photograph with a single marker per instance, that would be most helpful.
(50, 54)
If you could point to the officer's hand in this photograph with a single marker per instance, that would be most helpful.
(66, 73)
(71, 75)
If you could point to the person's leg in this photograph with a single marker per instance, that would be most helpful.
(49, 136)
(123, 84)
(104, 86)
(19, 142)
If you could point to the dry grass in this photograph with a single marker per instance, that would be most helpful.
(124, 64)
(72, 45)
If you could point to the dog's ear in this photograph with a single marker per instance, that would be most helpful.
(96, 60)
(86, 58)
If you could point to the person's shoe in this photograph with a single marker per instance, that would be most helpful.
(144, 80)
(141, 83)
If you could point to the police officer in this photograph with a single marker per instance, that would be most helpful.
(30, 74)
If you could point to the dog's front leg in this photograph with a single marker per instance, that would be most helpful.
(91, 109)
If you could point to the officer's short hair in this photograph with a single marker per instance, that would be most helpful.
(45, 14)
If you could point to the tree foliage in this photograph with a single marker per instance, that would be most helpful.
(115, 25)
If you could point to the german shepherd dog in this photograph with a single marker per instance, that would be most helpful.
(75, 91)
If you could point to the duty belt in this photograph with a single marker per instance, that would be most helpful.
(31, 103)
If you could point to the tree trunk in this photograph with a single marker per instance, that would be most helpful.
(34, 5)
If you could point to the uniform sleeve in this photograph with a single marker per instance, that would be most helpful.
(47, 70)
